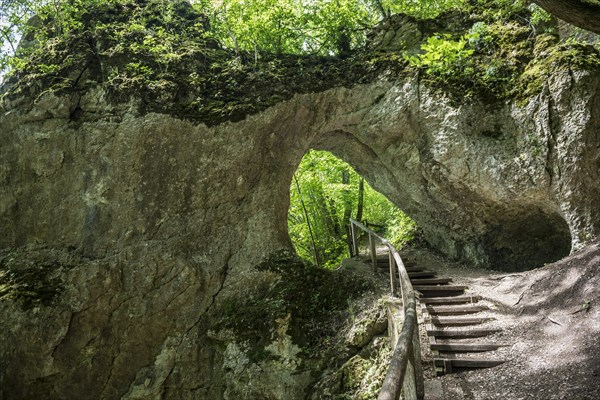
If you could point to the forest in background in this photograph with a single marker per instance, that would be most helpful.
(318, 27)
(324, 194)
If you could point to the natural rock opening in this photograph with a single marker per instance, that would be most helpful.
(527, 237)
(324, 194)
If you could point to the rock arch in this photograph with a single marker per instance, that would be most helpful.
(171, 216)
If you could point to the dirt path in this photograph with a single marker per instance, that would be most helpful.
(550, 320)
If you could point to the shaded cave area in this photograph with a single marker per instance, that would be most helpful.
(526, 238)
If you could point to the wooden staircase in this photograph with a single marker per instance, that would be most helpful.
(451, 321)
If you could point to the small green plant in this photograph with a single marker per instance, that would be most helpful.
(480, 35)
(135, 69)
(586, 304)
(48, 68)
(442, 55)
(538, 14)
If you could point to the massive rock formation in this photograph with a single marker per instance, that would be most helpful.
(497, 184)
(172, 212)
(141, 225)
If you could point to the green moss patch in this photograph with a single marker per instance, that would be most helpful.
(316, 302)
(30, 285)
(551, 58)
(500, 53)
(165, 59)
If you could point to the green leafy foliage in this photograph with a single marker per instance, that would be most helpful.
(323, 27)
(538, 14)
(423, 8)
(442, 55)
(214, 61)
(498, 59)
(316, 27)
(329, 191)
(291, 26)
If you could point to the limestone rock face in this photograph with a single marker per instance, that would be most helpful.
(150, 221)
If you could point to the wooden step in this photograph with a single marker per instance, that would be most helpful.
(447, 365)
(459, 321)
(455, 310)
(436, 288)
(408, 267)
(424, 274)
(450, 300)
(414, 269)
(465, 347)
(441, 290)
(461, 333)
(386, 261)
(431, 281)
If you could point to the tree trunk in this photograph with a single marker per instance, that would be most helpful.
(581, 13)
(306, 217)
(347, 212)
(384, 13)
(347, 204)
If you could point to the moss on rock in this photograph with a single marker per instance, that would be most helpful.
(163, 58)
(170, 63)
(30, 283)
(314, 300)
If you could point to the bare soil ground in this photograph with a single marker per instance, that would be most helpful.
(550, 320)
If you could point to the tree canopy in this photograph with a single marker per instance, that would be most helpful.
(324, 194)
(326, 27)
(214, 61)
(276, 26)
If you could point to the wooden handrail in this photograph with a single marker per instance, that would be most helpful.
(404, 376)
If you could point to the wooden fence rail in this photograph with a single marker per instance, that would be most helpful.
(404, 379)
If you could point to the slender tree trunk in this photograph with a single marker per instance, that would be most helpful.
(9, 41)
(384, 13)
(582, 13)
(347, 204)
(361, 199)
(347, 211)
(312, 237)
(230, 32)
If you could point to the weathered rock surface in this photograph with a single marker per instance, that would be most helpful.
(495, 184)
(126, 235)
(172, 216)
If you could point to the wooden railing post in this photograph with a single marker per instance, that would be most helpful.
(393, 276)
(350, 241)
(373, 252)
(418, 370)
